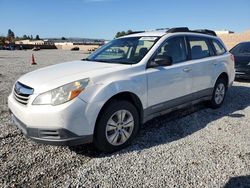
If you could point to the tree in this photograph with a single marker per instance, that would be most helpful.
(31, 37)
(129, 31)
(122, 33)
(10, 35)
(63, 38)
(2, 40)
(25, 37)
(118, 34)
(37, 37)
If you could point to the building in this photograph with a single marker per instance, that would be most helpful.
(32, 42)
(223, 32)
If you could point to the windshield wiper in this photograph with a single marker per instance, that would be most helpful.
(85, 59)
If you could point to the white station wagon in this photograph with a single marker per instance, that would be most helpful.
(105, 98)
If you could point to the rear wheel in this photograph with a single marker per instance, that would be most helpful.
(219, 93)
(117, 126)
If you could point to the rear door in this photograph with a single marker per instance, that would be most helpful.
(202, 64)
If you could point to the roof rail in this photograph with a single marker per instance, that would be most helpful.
(178, 29)
(161, 29)
(185, 29)
(134, 32)
(205, 31)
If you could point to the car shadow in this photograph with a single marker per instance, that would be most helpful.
(179, 124)
(240, 181)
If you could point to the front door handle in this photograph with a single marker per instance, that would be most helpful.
(187, 69)
(215, 62)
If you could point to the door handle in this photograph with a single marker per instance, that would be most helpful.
(187, 69)
(215, 63)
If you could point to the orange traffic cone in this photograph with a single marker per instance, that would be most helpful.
(33, 60)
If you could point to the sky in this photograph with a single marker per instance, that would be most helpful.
(103, 18)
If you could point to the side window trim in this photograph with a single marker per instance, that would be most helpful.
(211, 44)
(163, 43)
(188, 48)
(210, 48)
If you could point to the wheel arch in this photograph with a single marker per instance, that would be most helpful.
(127, 96)
(225, 76)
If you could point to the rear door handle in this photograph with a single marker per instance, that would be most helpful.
(187, 69)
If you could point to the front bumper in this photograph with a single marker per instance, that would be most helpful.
(60, 137)
(66, 124)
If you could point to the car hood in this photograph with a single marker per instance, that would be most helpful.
(47, 78)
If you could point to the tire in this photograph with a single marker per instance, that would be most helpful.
(116, 127)
(219, 93)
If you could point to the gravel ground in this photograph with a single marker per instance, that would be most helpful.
(195, 147)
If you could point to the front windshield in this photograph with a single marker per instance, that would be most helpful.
(129, 50)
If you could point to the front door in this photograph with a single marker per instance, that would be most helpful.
(169, 86)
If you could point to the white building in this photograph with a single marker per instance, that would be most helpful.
(33, 42)
(223, 32)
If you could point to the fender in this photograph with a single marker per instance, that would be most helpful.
(98, 94)
(222, 67)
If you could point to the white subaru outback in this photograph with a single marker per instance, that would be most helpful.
(105, 98)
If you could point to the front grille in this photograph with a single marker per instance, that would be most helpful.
(22, 93)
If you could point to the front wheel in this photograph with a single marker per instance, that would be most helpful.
(117, 126)
(219, 93)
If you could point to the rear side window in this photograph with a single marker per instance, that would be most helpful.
(219, 48)
(199, 47)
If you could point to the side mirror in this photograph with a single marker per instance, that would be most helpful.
(164, 61)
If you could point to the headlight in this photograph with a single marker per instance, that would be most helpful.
(62, 94)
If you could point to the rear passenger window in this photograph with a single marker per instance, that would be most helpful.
(219, 49)
(199, 47)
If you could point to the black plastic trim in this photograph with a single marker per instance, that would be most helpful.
(186, 29)
(178, 103)
(61, 137)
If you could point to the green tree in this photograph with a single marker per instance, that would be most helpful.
(31, 37)
(63, 38)
(118, 34)
(25, 37)
(2, 40)
(129, 31)
(10, 35)
(37, 37)
(122, 33)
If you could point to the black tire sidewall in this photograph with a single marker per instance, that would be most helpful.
(212, 102)
(100, 140)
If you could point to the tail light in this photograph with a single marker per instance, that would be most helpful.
(232, 58)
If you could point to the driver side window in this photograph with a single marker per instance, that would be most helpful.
(174, 48)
